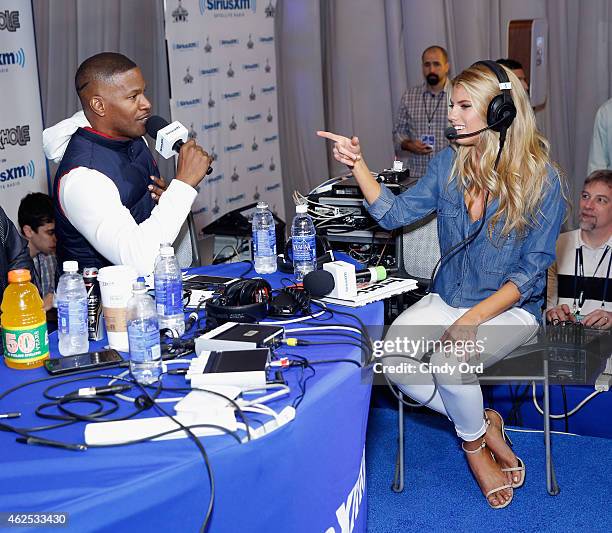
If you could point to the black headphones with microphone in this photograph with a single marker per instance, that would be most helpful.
(245, 300)
(501, 111)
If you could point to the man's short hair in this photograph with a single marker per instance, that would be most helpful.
(103, 67)
(436, 47)
(600, 176)
(35, 210)
(510, 63)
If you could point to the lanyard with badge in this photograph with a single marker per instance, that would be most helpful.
(430, 139)
(579, 296)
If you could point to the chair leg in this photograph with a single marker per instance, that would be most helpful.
(398, 479)
(551, 480)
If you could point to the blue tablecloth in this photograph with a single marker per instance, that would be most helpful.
(307, 476)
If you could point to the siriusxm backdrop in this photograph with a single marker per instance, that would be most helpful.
(23, 167)
(223, 89)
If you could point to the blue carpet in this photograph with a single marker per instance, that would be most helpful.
(440, 493)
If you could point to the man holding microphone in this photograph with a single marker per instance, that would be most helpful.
(108, 183)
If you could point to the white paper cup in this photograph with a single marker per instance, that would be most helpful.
(115, 290)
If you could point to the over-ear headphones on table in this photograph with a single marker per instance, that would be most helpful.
(501, 111)
(245, 300)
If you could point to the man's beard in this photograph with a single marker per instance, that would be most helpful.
(587, 224)
(432, 79)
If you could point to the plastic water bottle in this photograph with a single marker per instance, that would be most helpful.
(264, 240)
(169, 291)
(303, 243)
(143, 335)
(71, 297)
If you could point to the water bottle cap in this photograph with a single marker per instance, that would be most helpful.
(262, 205)
(71, 266)
(301, 208)
(166, 251)
(19, 275)
(139, 287)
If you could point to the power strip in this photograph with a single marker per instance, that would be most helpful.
(124, 431)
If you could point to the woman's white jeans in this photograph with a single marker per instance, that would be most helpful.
(457, 392)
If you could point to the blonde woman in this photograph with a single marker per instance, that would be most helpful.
(499, 209)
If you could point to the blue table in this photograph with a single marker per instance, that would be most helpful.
(306, 476)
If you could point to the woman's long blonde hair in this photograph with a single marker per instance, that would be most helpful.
(521, 176)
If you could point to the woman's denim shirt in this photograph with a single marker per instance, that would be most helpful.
(482, 267)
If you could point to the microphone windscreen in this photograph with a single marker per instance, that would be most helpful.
(319, 283)
(450, 133)
(154, 124)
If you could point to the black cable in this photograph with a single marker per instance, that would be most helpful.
(362, 343)
(200, 447)
(364, 330)
(566, 417)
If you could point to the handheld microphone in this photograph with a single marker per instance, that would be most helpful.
(451, 133)
(334, 279)
(169, 138)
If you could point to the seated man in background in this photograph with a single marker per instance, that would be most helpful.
(13, 254)
(107, 184)
(579, 287)
(37, 225)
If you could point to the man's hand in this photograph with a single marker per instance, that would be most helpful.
(416, 147)
(600, 319)
(48, 301)
(561, 313)
(193, 162)
(157, 188)
(347, 151)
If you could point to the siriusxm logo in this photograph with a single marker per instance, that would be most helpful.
(251, 66)
(189, 103)
(209, 71)
(270, 139)
(18, 135)
(269, 39)
(214, 179)
(234, 148)
(13, 58)
(233, 199)
(253, 118)
(9, 20)
(219, 6)
(211, 126)
(273, 187)
(270, 89)
(200, 211)
(15, 173)
(186, 46)
(230, 96)
(255, 168)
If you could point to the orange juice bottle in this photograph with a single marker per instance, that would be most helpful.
(24, 323)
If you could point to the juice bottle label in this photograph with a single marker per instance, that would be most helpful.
(26, 345)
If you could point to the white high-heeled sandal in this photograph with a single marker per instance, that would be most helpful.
(521, 466)
(492, 491)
